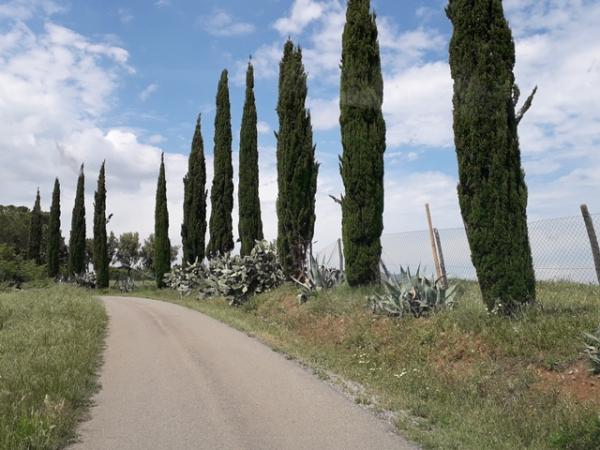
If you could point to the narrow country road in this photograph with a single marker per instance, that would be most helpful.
(176, 379)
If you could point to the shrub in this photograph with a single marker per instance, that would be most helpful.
(14, 270)
(407, 294)
(186, 279)
(86, 280)
(233, 277)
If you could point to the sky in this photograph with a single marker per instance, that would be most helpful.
(122, 81)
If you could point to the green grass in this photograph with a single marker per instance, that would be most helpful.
(50, 342)
(461, 379)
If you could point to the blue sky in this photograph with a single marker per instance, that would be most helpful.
(124, 80)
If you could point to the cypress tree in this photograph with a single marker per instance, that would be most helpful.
(34, 250)
(363, 141)
(492, 191)
(296, 167)
(100, 237)
(193, 230)
(162, 244)
(221, 194)
(77, 259)
(250, 222)
(54, 238)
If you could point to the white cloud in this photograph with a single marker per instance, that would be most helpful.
(54, 91)
(162, 3)
(156, 139)
(221, 23)
(302, 13)
(125, 15)
(264, 128)
(26, 9)
(417, 106)
(325, 114)
(148, 91)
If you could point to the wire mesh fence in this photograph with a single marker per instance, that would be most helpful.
(560, 249)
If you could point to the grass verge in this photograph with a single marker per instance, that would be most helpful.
(461, 379)
(50, 342)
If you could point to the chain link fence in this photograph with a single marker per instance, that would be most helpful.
(560, 248)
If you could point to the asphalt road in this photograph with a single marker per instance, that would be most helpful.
(176, 379)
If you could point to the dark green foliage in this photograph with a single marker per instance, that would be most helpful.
(250, 223)
(54, 238)
(363, 140)
(492, 190)
(101, 260)
(147, 253)
(35, 232)
(128, 252)
(15, 270)
(193, 230)
(296, 167)
(77, 254)
(14, 227)
(221, 195)
(162, 244)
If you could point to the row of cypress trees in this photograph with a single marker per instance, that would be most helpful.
(492, 190)
(296, 167)
(77, 242)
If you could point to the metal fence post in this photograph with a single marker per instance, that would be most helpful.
(589, 225)
(438, 242)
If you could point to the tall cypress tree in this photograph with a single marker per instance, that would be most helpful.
(54, 239)
(221, 194)
(296, 167)
(162, 244)
(100, 237)
(363, 141)
(250, 223)
(193, 230)
(492, 191)
(34, 250)
(77, 263)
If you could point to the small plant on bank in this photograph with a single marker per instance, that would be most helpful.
(318, 278)
(407, 294)
(592, 350)
(86, 280)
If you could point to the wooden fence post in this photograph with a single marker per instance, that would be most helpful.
(589, 224)
(436, 260)
(438, 243)
(341, 254)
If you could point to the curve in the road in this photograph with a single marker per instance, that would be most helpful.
(176, 379)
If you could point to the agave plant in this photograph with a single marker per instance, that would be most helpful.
(405, 293)
(592, 350)
(318, 278)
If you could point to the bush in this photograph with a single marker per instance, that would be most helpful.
(233, 277)
(407, 294)
(14, 270)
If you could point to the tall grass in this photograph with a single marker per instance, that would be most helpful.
(50, 342)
